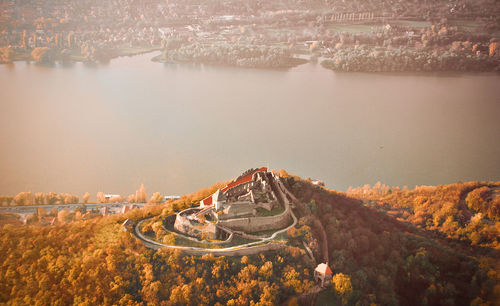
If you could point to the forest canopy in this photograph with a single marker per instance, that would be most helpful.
(384, 245)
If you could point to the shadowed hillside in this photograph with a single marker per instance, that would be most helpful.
(392, 261)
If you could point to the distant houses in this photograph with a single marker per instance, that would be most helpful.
(318, 183)
(171, 197)
(108, 197)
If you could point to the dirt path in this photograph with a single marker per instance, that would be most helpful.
(323, 240)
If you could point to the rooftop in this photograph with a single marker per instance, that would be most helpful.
(323, 269)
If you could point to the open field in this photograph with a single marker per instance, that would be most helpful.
(354, 28)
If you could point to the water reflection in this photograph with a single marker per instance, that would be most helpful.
(178, 128)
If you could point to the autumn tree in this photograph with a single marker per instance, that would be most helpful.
(342, 287)
(6, 200)
(23, 198)
(140, 195)
(63, 216)
(6, 55)
(86, 197)
(156, 198)
(101, 197)
(41, 55)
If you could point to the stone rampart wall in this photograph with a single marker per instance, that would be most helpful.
(257, 224)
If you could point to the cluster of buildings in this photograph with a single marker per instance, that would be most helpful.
(234, 207)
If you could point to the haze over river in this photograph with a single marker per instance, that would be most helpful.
(178, 128)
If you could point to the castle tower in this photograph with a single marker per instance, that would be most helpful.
(218, 199)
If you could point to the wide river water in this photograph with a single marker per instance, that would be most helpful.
(178, 128)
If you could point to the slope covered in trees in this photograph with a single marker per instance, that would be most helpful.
(391, 261)
(95, 262)
(465, 212)
(380, 245)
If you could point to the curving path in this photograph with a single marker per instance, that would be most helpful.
(157, 245)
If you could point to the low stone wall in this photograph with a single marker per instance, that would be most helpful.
(183, 225)
(257, 224)
(229, 239)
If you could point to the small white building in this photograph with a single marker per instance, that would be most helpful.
(323, 274)
(171, 197)
(111, 196)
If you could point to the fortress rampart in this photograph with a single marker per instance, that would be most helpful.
(257, 224)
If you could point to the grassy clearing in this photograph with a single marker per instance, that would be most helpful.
(262, 212)
(326, 297)
(237, 240)
(268, 233)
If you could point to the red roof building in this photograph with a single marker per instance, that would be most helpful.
(323, 269)
(323, 274)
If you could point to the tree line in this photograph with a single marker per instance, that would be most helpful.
(52, 198)
(239, 55)
(38, 198)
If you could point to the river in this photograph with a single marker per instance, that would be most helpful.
(178, 128)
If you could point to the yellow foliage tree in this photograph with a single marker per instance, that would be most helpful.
(342, 286)
(156, 198)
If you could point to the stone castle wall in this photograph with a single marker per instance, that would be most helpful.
(257, 224)
(183, 225)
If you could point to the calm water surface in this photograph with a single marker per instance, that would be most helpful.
(182, 127)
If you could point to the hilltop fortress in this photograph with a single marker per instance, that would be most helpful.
(253, 202)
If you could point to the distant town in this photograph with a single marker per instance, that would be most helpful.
(344, 36)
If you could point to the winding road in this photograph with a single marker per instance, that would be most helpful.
(157, 245)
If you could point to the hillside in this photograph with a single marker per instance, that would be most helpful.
(413, 260)
(394, 255)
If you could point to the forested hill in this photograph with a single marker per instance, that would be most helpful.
(432, 245)
(381, 250)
